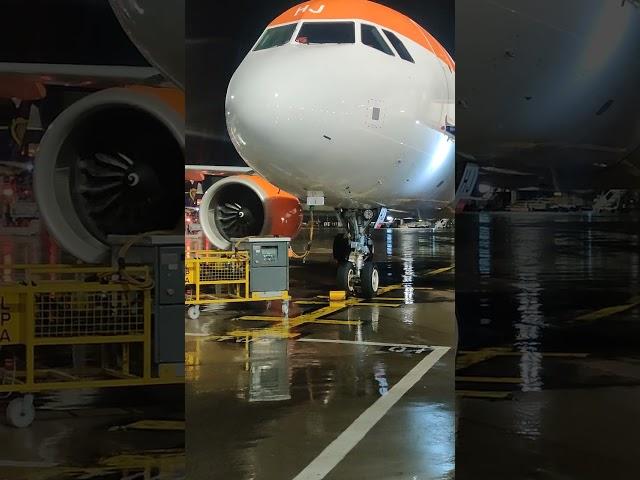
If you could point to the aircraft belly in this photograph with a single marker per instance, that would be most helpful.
(370, 170)
(542, 76)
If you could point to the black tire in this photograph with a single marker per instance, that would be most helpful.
(369, 280)
(346, 274)
(341, 248)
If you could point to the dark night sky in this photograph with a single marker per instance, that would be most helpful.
(219, 35)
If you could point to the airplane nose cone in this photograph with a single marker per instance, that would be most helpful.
(259, 107)
(278, 109)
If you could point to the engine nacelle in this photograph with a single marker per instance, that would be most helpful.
(247, 205)
(111, 164)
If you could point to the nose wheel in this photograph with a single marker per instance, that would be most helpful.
(357, 273)
(346, 277)
(369, 280)
(341, 248)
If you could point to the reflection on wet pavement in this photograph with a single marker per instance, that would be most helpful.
(548, 308)
(267, 409)
(91, 433)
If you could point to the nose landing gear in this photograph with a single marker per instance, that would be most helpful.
(357, 272)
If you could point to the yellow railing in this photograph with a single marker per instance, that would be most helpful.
(65, 327)
(220, 277)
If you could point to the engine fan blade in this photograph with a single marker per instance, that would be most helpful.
(99, 189)
(104, 159)
(97, 172)
(104, 206)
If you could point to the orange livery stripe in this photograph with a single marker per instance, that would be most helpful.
(369, 12)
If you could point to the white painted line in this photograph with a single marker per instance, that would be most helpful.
(347, 440)
(374, 344)
(27, 464)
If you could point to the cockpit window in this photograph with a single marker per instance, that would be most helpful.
(327, 32)
(373, 38)
(274, 37)
(399, 46)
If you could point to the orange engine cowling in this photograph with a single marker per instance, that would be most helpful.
(245, 206)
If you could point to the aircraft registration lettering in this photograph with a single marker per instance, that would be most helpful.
(306, 8)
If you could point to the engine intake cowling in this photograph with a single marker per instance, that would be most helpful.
(245, 206)
(109, 165)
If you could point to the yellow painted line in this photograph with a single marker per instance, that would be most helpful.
(438, 271)
(609, 311)
(469, 358)
(92, 383)
(477, 394)
(283, 329)
(337, 322)
(335, 304)
(215, 337)
(168, 462)
(159, 459)
(389, 288)
(258, 318)
(473, 358)
(379, 304)
(155, 425)
(511, 380)
(274, 332)
(352, 300)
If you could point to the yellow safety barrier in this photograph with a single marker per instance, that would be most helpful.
(214, 277)
(69, 327)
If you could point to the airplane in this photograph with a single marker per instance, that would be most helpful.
(114, 144)
(548, 98)
(347, 104)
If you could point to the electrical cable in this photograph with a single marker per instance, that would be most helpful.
(309, 243)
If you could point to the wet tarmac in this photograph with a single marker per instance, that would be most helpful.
(548, 369)
(113, 433)
(365, 389)
(549, 364)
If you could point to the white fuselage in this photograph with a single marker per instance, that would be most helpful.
(363, 127)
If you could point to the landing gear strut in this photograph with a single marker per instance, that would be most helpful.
(353, 251)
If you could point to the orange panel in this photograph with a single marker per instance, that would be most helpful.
(195, 175)
(171, 96)
(367, 11)
(17, 87)
(284, 210)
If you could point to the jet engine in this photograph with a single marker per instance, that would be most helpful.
(247, 205)
(108, 164)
